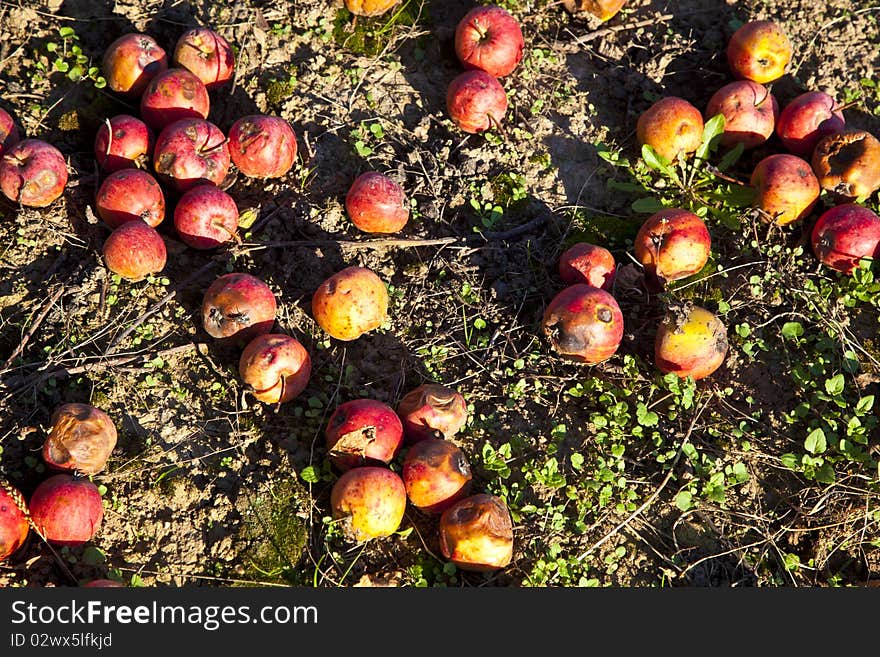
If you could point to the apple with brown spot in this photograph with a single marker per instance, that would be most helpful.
(489, 38)
(759, 51)
(436, 474)
(671, 126)
(432, 410)
(33, 173)
(749, 111)
(173, 95)
(363, 432)
(476, 101)
(206, 217)
(583, 262)
(207, 54)
(131, 61)
(350, 303)
(262, 146)
(806, 119)
(476, 533)
(786, 190)
(584, 324)
(847, 164)
(673, 244)
(691, 341)
(130, 195)
(275, 367)
(377, 204)
(81, 439)
(191, 152)
(844, 235)
(66, 510)
(369, 502)
(135, 250)
(237, 307)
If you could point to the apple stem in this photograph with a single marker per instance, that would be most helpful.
(216, 147)
(846, 106)
(715, 171)
(495, 123)
(109, 138)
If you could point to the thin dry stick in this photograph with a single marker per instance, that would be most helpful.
(598, 34)
(24, 341)
(653, 495)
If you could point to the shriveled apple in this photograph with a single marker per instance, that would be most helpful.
(847, 163)
(673, 244)
(691, 341)
(363, 432)
(436, 474)
(351, 302)
(584, 324)
(369, 502)
(81, 439)
(476, 533)
(276, 367)
(432, 409)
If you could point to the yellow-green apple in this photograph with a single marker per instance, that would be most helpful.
(351, 302)
(691, 341)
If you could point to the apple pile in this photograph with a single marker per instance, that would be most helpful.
(369, 499)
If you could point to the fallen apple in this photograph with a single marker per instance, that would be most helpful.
(237, 307)
(806, 119)
(369, 7)
(691, 341)
(476, 101)
(66, 511)
(584, 324)
(9, 135)
(476, 533)
(671, 126)
(363, 432)
(350, 303)
(262, 146)
(275, 367)
(131, 61)
(123, 142)
(377, 204)
(436, 474)
(369, 502)
(673, 244)
(432, 410)
(786, 189)
(759, 51)
(81, 439)
(206, 54)
(847, 163)
(844, 235)
(135, 250)
(130, 195)
(206, 217)
(749, 111)
(601, 9)
(33, 173)
(490, 39)
(173, 95)
(587, 263)
(14, 524)
(191, 152)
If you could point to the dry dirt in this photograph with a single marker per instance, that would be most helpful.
(204, 487)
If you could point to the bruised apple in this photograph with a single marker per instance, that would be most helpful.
(691, 341)
(350, 303)
(191, 152)
(673, 244)
(587, 263)
(476, 533)
(369, 502)
(476, 101)
(759, 51)
(206, 54)
(131, 61)
(206, 217)
(430, 409)
(584, 324)
(363, 432)
(671, 126)
(134, 250)
(262, 146)
(806, 119)
(66, 511)
(14, 524)
(276, 367)
(749, 111)
(786, 189)
(436, 475)
(490, 39)
(173, 95)
(237, 307)
(123, 142)
(845, 234)
(81, 439)
(33, 173)
(377, 204)
(601, 9)
(129, 195)
(847, 163)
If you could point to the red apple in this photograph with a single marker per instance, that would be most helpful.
(350, 303)
(369, 502)
(671, 126)
(66, 511)
(276, 367)
(190, 152)
(9, 135)
(135, 250)
(262, 146)
(691, 341)
(845, 234)
(749, 111)
(759, 51)
(173, 95)
(128, 195)
(476, 101)
(584, 324)
(786, 189)
(33, 173)
(123, 142)
(206, 217)
(673, 244)
(14, 524)
(806, 119)
(377, 204)
(847, 164)
(363, 432)
(432, 410)
(131, 61)
(82, 438)
(490, 39)
(588, 263)
(207, 54)
(238, 307)
(476, 533)
(436, 475)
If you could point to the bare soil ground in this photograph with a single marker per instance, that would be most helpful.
(205, 487)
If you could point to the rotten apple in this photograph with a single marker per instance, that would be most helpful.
(844, 235)
(377, 204)
(432, 410)
(691, 341)
(749, 111)
(671, 126)
(14, 524)
(173, 95)
(759, 51)
(134, 250)
(206, 217)
(190, 152)
(584, 324)
(476, 101)
(476, 533)
(33, 173)
(587, 263)
(81, 439)
(363, 432)
(436, 474)
(806, 119)
(350, 303)
(123, 142)
(786, 189)
(131, 61)
(262, 146)
(275, 367)
(673, 244)
(847, 163)
(237, 307)
(66, 511)
(206, 54)
(369, 502)
(130, 194)
(490, 39)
